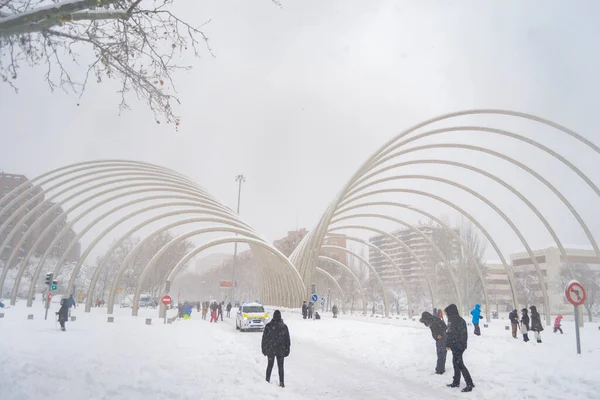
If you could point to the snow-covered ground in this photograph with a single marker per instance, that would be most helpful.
(344, 358)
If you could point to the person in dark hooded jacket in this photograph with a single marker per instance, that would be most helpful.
(304, 310)
(276, 345)
(536, 324)
(456, 341)
(63, 313)
(438, 331)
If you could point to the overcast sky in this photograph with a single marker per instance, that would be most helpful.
(298, 97)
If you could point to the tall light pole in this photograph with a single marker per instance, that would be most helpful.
(240, 179)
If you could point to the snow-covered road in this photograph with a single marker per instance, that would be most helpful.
(330, 359)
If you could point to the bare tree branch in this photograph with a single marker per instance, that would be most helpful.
(132, 44)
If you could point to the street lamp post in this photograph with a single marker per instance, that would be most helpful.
(240, 179)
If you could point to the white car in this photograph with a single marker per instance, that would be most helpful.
(251, 316)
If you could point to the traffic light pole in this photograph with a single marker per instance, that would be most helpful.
(47, 301)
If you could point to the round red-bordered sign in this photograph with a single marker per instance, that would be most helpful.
(166, 300)
(575, 293)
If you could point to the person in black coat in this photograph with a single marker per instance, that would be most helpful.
(276, 345)
(536, 324)
(63, 313)
(456, 341)
(304, 310)
(438, 331)
(525, 325)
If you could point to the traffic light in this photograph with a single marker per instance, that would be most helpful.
(49, 278)
(53, 287)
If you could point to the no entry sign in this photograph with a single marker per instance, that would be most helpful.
(166, 300)
(575, 293)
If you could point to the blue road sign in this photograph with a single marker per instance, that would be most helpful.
(314, 298)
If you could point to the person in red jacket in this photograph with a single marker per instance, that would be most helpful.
(557, 324)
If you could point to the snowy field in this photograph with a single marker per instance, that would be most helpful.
(344, 358)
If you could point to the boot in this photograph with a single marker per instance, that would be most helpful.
(468, 388)
(454, 385)
(281, 385)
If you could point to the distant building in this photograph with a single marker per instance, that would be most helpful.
(554, 272)
(8, 182)
(498, 286)
(419, 245)
(288, 244)
(339, 255)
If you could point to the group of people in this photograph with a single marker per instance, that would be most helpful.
(526, 324)
(308, 311)
(453, 337)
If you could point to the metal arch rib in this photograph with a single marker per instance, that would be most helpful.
(496, 209)
(468, 251)
(347, 269)
(396, 267)
(381, 285)
(434, 246)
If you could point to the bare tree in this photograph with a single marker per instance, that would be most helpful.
(132, 41)
(468, 274)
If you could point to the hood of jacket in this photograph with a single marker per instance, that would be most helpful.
(426, 318)
(277, 316)
(477, 306)
(533, 309)
(451, 310)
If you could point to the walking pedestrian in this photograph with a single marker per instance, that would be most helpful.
(525, 325)
(276, 345)
(229, 310)
(213, 312)
(456, 341)
(438, 331)
(310, 310)
(198, 306)
(63, 313)
(220, 310)
(513, 316)
(536, 324)
(204, 310)
(557, 324)
(304, 310)
(334, 311)
(476, 314)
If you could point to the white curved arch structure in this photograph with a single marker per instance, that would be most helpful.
(390, 157)
(85, 190)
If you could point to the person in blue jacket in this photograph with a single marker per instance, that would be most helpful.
(476, 314)
(187, 310)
